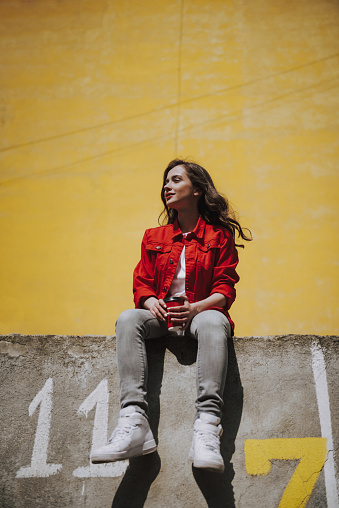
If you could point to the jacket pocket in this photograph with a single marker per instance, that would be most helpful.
(207, 254)
(158, 253)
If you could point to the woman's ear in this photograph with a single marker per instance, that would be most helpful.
(197, 192)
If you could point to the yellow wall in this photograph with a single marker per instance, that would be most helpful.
(98, 96)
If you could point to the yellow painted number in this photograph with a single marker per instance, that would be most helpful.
(312, 454)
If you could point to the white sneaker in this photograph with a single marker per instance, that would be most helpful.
(205, 449)
(132, 437)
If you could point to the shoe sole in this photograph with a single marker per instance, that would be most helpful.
(201, 464)
(137, 451)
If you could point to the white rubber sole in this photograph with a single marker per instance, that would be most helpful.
(215, 467)
(137, 451)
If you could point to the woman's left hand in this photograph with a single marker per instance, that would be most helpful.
(182, 315)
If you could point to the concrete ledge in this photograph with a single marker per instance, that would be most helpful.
(59, 396)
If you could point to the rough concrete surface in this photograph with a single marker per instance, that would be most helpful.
(60, 396)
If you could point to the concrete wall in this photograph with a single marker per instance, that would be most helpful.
(97, 96)
(59, 397)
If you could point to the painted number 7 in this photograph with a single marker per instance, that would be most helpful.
(311, 451)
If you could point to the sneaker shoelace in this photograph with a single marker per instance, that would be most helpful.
(121, 431)
(209, 441)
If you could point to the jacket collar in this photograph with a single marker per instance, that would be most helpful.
(198, 231)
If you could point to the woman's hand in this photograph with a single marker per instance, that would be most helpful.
(182, 316)
(157, 307)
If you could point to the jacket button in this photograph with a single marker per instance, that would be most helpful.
(158, 247)
(208, 245)
(171, 261)
(165, 288)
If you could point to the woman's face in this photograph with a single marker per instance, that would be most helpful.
(179, 191)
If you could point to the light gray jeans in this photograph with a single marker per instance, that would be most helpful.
(210, 328)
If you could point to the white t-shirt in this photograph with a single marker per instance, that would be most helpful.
(177, 287)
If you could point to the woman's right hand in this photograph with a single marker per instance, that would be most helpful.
(156, 307)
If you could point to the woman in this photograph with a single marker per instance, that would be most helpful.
(193, 256)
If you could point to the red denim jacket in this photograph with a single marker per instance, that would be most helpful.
(210, 257)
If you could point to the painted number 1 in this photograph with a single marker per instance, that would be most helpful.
(99, 399)
(38, 466)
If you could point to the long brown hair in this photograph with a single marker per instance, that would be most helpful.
(212, 206)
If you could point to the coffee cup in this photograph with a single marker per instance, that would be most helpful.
(173, 301)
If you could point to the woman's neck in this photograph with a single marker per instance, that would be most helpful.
(188, 220)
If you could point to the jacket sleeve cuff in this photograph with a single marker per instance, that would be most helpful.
(228, 292)
(142, 293)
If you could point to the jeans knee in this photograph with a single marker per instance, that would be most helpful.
(125, 319)
(213, 322)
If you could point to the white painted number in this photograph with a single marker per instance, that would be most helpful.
(99, 399)
(39, 467)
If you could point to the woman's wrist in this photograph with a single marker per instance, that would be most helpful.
(215, 300)
(196, 308)
(146, 302)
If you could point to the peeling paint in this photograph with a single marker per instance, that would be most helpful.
(13, 350)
